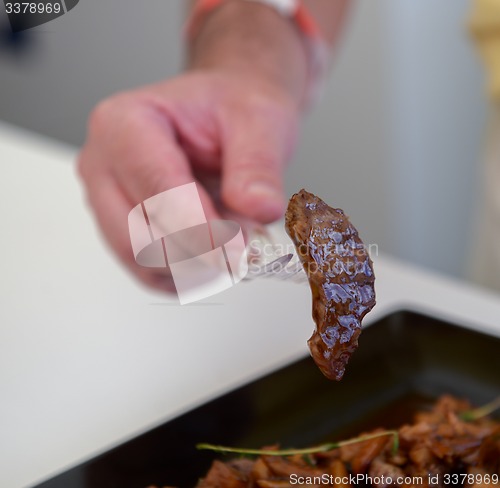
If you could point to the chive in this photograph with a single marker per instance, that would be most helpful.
(477, 413)
(308, 450)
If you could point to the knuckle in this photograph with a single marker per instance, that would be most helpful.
(100, 116)
(107, 113)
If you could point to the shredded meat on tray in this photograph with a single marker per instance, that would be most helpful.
(438, 443)
(340, 274)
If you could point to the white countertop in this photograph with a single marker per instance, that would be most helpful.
(89, 359)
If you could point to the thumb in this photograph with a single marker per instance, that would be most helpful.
(255, 151)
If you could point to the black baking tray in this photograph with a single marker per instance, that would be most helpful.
(404, 362)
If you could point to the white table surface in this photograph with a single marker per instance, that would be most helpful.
(89, 359)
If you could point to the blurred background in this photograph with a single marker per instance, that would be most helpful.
(395, 140)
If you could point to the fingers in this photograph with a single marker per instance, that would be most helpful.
(145, 157)
(111, 208)
(141, 144)
(257, 144)
(131, 155)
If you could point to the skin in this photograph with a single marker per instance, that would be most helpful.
(229, 122)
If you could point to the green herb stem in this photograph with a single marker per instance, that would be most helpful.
(481, 412)
(307, 450)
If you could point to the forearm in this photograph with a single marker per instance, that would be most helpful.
(251, 39)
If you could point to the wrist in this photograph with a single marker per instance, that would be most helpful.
(251, 40)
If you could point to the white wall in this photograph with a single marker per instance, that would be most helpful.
(393, 142)
(438, 122)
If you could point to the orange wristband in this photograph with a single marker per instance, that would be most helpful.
(295, 10)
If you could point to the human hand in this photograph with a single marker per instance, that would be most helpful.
(232, 133)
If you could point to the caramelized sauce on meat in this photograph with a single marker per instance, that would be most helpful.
(341, 278)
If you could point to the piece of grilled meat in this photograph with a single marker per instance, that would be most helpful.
(340, 274)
